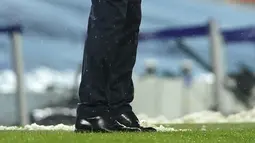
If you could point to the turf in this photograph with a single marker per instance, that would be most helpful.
(209, 133)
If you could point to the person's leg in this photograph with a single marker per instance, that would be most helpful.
(123, 58)
(121, 83)
(106, 22)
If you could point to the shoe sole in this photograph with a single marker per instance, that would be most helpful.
(148, 129)
(107, 131)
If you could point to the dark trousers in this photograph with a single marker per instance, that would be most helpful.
(110, 54)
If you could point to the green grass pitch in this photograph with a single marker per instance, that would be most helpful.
(198, 133)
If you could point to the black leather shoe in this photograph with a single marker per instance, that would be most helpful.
(129, 119)
(103, 123)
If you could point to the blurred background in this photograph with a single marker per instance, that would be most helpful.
(174, 75)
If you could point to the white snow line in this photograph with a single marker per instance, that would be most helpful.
(62, 127)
